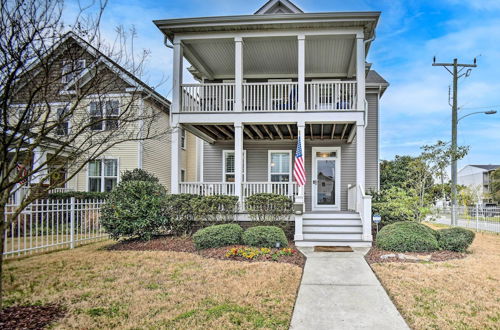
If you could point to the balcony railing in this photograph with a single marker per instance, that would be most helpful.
(270, 96)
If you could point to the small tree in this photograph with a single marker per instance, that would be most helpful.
(495, 185)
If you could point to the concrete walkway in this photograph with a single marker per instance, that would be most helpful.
(340, 291)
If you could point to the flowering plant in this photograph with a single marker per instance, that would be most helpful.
(251, 253)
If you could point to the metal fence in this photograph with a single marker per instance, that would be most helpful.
(50, 224)
(479, 218)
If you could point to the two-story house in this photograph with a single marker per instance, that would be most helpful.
(266, 81)
(122, 90)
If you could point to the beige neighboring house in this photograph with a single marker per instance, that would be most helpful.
(152, 155)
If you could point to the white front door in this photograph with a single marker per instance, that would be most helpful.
(325, 178)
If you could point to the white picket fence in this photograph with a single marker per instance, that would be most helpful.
(50, 224)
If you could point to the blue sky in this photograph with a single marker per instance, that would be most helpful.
(414, 110)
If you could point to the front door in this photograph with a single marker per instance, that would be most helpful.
(326, 178)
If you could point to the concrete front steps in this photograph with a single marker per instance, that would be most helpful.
(332, 229)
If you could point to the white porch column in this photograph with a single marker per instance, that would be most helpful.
(360, 71)
(175, 159)
(40, 166)
(360, 155)
(177, 77)
(301, 72)
(238, 74)
(238, 161)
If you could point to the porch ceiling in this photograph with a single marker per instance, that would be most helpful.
(272, 57)
(330, 131)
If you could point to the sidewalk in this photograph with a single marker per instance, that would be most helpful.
(340, 291)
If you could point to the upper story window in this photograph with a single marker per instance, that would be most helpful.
(71, 69)
(62, 121)
(280, 166)
(104, 115)
(102, 175)
(183, 138)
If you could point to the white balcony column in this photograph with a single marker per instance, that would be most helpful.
(175, 159)
(40, 167)
(360, 155)
(177, 77)
(360, 71)
(301, 72)
(238, 74)
(238, 161)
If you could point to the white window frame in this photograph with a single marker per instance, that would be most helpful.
(224, 173)
(68, 121)
(104, 113)
(183, 139)
(269, 152)
(65, 78)
(102, 177)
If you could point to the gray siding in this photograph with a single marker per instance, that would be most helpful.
(257, 162)
(372, 143)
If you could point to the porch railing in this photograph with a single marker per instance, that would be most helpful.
(351, 197)
(207, 188)
(208, 97)
(331, 95)
(270, 96)
(280, 188)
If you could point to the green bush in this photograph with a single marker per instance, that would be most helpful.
(407, 237)
(218, 236)
(210, 210)
(135, 209)
(265, 236)
(181, 213)
(271, 209)
(138, 174)
(79, 195)
(395, 205)
(455, 239)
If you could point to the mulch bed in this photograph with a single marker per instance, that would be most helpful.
(373, 256)
(30, 317)
(185, 244)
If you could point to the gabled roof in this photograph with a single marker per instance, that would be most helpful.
(487, 167)
(278, 7)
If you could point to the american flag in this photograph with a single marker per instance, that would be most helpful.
(299, 172)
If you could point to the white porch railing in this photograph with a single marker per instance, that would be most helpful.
(207, 97)
(207, 188)
(359, 202)
(281, 188)
(331, 95)
(48, 224)
(270, 96)
(351, 197)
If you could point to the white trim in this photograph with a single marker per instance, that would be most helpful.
(104, 112)
(183, 139)
(289, 152)
(270, 33)
(226, 151)
(314, 169)
(180, 179)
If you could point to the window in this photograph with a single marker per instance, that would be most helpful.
(71, 69)
(63, 121)
(183, 138)
(104, 115)
(183, 175)
(102, 174)
(280, 166)
(229, 165)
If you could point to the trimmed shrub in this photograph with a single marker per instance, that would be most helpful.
(218, 236)
(138, 174)
(455, 239)
(395, 205)
(271, 209)
(79, 195)
(180, 212)
(135, 209)
(407, 237)
(264, 236)
(210, 210)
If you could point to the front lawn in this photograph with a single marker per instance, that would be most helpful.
(100, 288)
(453, 294)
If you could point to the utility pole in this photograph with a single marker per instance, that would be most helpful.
(456, 73)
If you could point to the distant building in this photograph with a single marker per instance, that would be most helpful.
(477, 176)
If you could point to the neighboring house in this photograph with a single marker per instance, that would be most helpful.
(103, 173)
(265, 80)
(477, 177)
